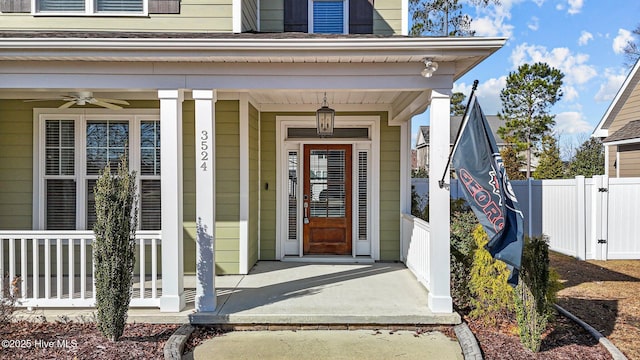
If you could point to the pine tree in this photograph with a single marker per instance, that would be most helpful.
(443, 17)
(550, 165)
(588, 159)
(513, 162)
(458, 105)
(526, 100)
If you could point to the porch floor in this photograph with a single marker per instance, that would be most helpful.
(303, 293)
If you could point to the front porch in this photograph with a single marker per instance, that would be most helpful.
(293, 293)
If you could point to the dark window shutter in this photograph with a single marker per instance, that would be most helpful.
(15, 6)
(296, 16)
(361, 16)
(164, 6)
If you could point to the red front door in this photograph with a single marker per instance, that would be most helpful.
(327, 200)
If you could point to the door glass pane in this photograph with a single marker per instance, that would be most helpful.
(362, 195)
(293, 196)
(327, 183)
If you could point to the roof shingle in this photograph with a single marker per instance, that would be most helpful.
(630, 131)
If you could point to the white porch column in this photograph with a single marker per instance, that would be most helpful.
(439, 206)
(405, 184)
(172, 299)
(205, 102)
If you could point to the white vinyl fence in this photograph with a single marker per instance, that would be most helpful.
(594, 218)
(55, 268)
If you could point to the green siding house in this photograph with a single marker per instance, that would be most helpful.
(215, 104)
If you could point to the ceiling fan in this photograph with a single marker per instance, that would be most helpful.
(84, 98)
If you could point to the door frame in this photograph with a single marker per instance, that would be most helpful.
(369, 248)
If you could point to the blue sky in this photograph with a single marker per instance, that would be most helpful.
(582, 38)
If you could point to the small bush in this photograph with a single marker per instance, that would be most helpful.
(9, 298)
(462, 246)
(492, 296)
(535, 293)
(114, 248)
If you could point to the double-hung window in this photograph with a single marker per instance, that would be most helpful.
(328, 16)
(76, 148)
(85, 7)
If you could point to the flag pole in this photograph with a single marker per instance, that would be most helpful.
(466, 110)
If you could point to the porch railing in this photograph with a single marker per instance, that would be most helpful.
(55, 268)
(417, 235)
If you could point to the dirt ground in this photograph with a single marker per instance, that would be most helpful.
(606, 295)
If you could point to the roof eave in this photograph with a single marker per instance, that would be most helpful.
(398, 49)
(621, 96)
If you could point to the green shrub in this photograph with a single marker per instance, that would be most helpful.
(492, 296)
(114, 248)
(535, 293)
(462, 246)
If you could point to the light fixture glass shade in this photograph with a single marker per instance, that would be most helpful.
(324, 121)
(429, 68)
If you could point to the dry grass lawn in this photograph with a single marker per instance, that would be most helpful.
(606, 295)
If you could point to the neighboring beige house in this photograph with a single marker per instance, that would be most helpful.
(422, 140)
(620, 129)
(215, 105)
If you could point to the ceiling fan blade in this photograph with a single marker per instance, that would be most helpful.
(106, 105)
(66, 105)
(47, 99)
(113, 101)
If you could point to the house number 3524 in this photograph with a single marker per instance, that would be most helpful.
(204, 149)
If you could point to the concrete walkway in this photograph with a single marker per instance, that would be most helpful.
(335, 345)
(302, 293)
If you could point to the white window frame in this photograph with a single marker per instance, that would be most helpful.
(345, 12)
(80, 117)
(89, 10)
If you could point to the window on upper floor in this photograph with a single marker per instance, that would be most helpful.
(328, 17)
(90, 6)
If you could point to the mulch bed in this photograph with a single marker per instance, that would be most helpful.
(564, 340)
(71, 340)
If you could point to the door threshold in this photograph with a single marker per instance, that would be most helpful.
(342, 259)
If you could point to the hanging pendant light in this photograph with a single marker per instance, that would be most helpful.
(324, 119)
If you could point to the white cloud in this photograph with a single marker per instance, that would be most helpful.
(538, 2)
(488, 93)
(585, 37)
(569, 93)
(571, 122)
(575, 6)
(620, 41)
(574, 66)
(560, 7)
(534, 23)
(493, 19)
(609, 88)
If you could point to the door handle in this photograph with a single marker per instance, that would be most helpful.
(305, 213)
